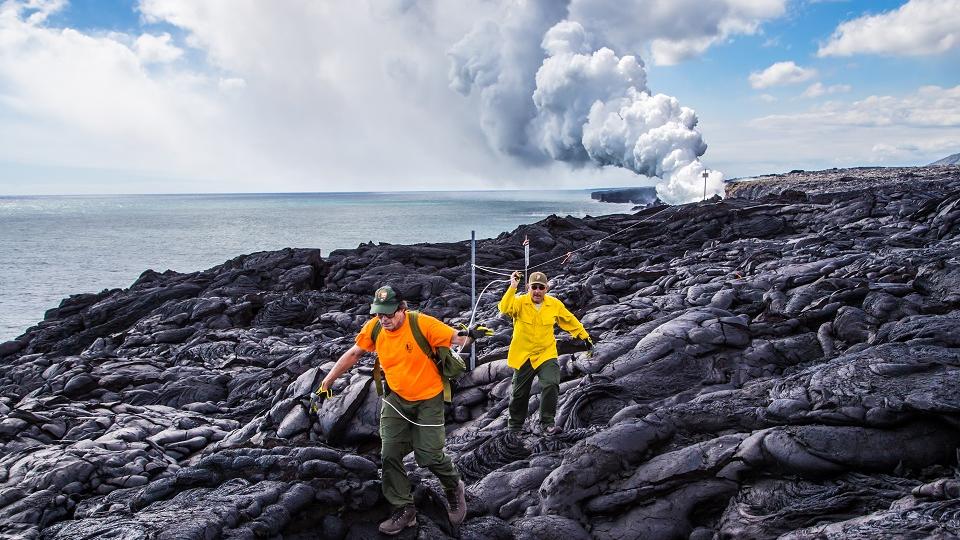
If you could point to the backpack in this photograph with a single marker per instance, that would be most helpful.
(449, 364)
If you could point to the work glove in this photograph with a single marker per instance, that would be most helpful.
(476, 332)
(316, 399)
(587, 342)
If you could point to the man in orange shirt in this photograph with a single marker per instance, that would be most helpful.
(412, 414)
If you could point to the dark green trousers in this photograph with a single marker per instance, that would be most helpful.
(399, 437)
(549, 375)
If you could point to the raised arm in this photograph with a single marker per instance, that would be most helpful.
(508, 304)
(346, 361)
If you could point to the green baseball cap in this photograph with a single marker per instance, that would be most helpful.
(385, 300)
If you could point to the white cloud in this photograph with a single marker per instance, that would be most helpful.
(153, 49)
(928, 107)
(781, 73)
(301, 94)
(916, 152)
(75, 100)
(913, 128)
(36, 11)
(93, 84)
(767, 98)
(918, 27)
(318, 95)
(818, 89)
(232, 84)
(673, 30)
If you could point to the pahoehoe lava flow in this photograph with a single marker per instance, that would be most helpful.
(780, 363)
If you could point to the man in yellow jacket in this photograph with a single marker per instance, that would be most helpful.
(533, 349)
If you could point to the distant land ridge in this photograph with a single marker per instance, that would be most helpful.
(952, 159)
(823, 185)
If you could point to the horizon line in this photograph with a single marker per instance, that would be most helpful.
(3, 195)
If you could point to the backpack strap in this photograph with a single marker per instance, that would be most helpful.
(431, 354)
(419, 337)
(377, 376)
(447, 391)
(424, 346)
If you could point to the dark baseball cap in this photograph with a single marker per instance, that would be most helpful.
(538, 277)
(385, 300)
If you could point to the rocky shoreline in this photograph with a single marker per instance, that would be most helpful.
(643, 196)
(784, 362)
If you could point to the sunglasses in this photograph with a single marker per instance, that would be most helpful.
(538, 287)
(387, 315)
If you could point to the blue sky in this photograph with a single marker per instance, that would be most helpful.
(797, 37)
(98, 15)
(161, 96)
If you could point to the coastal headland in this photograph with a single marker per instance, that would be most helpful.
(782, 362)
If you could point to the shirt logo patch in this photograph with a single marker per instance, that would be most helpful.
(408, 347)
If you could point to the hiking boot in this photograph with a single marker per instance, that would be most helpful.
(401, 518)
(551, 430)
(457, 500)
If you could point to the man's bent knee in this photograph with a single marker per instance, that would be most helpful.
(430, 459)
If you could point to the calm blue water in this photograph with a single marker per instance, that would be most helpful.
(52, 247)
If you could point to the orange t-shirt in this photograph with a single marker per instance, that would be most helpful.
(410, 373)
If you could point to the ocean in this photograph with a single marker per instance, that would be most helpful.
(55, 246)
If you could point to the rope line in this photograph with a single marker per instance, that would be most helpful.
(409, 420)
(493, 270)
(473, 313)
(492, 267)
(495, 273)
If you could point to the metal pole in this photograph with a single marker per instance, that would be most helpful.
(526, 260)
(705, 175)
(473, 292)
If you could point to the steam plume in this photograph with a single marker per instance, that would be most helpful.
(568, 98)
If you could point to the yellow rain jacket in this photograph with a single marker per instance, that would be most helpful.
(533, 328)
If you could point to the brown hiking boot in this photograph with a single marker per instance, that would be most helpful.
(457, 500)
(552, 430)
(401, 518)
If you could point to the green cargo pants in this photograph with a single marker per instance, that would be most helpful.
(549, 375)
(399, 437)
